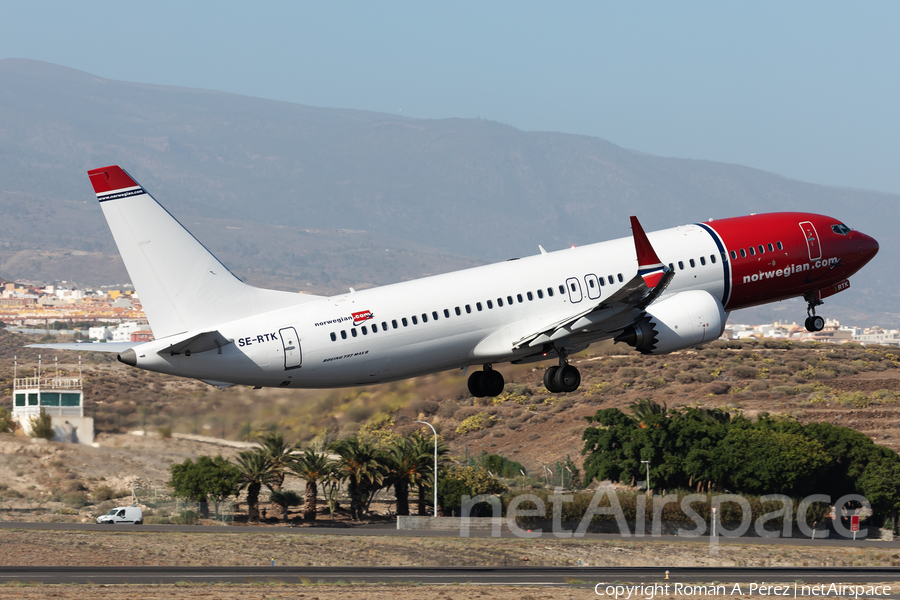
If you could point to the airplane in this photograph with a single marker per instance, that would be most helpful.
(658, 292)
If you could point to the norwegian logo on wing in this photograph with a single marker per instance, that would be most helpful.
(362, 316)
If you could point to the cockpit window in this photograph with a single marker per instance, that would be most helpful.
(840, 229)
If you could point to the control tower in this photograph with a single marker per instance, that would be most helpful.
(61, 397)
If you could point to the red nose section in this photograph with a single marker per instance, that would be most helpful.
(863, 248)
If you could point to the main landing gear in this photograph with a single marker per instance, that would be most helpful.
(487, 383)
(813, 322)
(564, 378)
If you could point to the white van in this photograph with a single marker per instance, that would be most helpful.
(124, 515)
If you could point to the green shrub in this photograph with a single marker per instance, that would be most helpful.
(187, 517)
(42, 426)
(74, 499)
(477, 422)
(7, 424)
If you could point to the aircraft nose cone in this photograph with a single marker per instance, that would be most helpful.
(868, 245)
(864, 247)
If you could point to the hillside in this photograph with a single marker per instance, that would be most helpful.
(846, 385)
(301, 197)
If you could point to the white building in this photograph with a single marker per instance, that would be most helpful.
(889, 337)
(62, 398)
(123, 332)
(100, 333)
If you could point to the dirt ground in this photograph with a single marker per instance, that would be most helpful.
(317, 592)
(287, 591)
(99, 548)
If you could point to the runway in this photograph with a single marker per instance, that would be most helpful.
(380, 529)
(539, 576)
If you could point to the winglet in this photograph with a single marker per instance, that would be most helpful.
(110, 179)
(649, 265)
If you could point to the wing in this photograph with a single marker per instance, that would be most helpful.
(619, 309)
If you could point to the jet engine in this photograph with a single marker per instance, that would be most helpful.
(681, 321)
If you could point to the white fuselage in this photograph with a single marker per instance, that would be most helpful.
(435, 323)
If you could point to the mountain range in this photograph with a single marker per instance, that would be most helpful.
(319, 199)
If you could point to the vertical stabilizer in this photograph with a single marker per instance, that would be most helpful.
(181, 285)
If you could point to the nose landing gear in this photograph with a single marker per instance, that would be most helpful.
(564, 378)
(487, 383)
(813, 322)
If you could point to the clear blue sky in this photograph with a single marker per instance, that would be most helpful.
(810, 90)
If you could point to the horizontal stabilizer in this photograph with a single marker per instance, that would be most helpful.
(88, 346)
(202, 342)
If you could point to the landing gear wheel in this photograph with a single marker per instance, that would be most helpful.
(492, 383)
(815, 323)
(475, 384)
(550, 380)
(567, 378)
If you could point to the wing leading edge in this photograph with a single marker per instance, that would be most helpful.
(619, 309)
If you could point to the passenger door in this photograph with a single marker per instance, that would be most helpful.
(291, 343)
(812, 240)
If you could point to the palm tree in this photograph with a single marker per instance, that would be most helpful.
(425, 453)
(361, 465)
(405, 467)
(312, 467)
(279, 452)
(644, 408)
(256, 471)
(285, 499)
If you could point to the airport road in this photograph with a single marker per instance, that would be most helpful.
(559, 576)
(384, 529)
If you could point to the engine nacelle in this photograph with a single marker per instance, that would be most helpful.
(684, 320)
